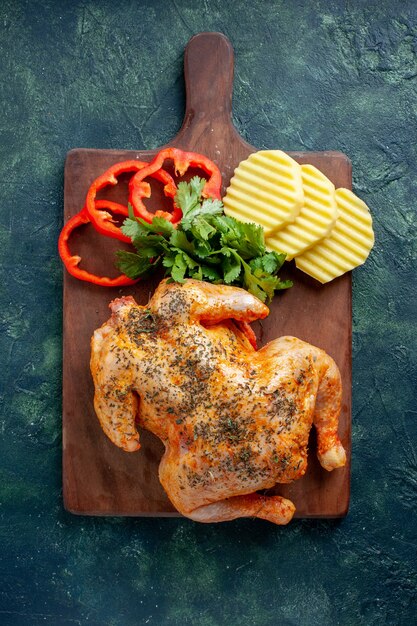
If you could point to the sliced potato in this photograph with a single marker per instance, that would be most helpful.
(267, 189)
(316, 218)
(348, 244)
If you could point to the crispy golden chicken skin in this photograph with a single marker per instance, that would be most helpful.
(233, 420)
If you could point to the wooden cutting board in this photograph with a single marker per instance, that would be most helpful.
(98, 477)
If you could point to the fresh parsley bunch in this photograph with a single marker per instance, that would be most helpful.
(205, 245)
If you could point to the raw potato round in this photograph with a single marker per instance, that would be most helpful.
(347, 246)
(316, 218)
(267, 189)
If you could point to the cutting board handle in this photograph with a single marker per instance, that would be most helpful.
(208, 73)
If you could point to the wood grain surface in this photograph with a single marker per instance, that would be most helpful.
(98, 477)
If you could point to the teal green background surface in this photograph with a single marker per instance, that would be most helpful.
(309, 75)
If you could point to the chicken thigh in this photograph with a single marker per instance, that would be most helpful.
(233, 420)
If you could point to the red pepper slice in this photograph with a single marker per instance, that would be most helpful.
(103, 221)
(182, 161)
(71, 262)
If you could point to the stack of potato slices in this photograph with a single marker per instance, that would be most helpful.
(327, 231)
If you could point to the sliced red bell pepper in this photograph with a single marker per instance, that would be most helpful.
(139, 189)
(71, 262)
(103, 221)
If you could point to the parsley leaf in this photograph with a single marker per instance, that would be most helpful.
(201, 229)
(131, 228)
(161, 225)
(132, 264)
(211, 273)
(272, 262)
(178, 239)
(231, 269)
(246, 238)
(179, 268)
(188, 195)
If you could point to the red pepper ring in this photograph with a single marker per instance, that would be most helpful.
(139, 189)
(103, 221)
(71, 262)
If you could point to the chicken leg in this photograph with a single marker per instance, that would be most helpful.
(271, 508)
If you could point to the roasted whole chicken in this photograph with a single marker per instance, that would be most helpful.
(233, 420)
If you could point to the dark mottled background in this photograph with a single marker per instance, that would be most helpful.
(310, 75)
